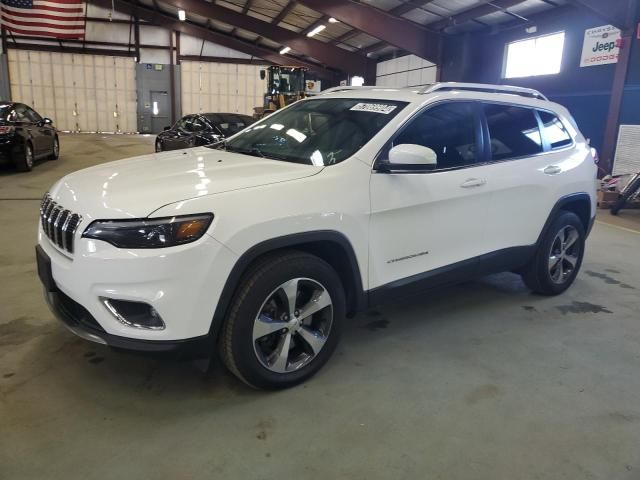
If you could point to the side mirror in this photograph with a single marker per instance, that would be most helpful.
(167, 128)
(263, 74)
(47, 121)
(412, 157)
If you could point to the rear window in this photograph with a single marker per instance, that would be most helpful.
(513, 132)
(554, 131)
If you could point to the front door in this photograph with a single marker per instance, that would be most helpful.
(160, 111)
(422, 222)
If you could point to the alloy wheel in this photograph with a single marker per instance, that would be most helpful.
(158, 147)
(564, 255)
(56, 148)
(292, 325)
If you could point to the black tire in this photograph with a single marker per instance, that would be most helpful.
(539, 275)
(236, 344)
(623, 199)
(55, 154)
(23, 158)
(158, 146)
(618, 205)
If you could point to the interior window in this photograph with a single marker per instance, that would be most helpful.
(513, 131)
(449, 130)
(554, 131)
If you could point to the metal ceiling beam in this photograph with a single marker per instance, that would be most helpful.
(380, 24)
(284, 12)
(473, 13)
(614, 12)
(247, 6)
(408, 6)
(167, 21)
(331, 55)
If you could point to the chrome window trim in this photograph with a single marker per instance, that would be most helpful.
(423, 109)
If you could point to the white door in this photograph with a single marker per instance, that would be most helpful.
(86, 93)
(210, 87)
(525, 182)
(423, 221)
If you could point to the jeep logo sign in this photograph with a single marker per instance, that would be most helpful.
(601, 46)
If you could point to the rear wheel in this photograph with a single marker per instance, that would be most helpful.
(559, 256)
(284, 322)
(23, 159)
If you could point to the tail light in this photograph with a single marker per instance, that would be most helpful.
(5, 130)
(596, 157)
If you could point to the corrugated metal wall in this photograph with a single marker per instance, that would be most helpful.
(221, 87)
(85, 93)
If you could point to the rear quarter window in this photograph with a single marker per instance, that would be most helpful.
(554, 130)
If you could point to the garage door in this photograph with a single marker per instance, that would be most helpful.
(81, 93)
(221, 87)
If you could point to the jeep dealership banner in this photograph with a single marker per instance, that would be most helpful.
(601, 46)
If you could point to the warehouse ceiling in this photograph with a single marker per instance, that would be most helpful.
(356, 34)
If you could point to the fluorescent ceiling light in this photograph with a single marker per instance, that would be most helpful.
(182, 15)
(316, 30)
(285, 50)
(333, 20)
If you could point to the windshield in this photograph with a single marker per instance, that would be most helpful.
(316, 132)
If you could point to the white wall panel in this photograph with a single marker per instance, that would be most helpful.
(406, 71)
(221, 87)
(85, 93)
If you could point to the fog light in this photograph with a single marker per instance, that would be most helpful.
(134, 314)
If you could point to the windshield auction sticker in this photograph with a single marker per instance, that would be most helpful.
(374, 108)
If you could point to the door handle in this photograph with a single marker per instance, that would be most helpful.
(552, 170)
(473, 182)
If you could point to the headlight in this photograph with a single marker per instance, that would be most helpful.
(150, 232)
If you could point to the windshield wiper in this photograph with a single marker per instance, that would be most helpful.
(254, 151)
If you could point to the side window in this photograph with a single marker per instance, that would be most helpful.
(450, 130)
(198, 124)
(21, 113)
(513, 132)
(33, 115)
(554, 131)
(187, 124)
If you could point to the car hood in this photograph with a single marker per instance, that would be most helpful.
(135, 187)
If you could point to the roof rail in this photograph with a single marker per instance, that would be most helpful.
(481, 87)
(345, 88)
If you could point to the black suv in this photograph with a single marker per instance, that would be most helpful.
(25, 136)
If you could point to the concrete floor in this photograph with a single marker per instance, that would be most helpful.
(480, 381)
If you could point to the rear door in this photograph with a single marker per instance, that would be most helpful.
(24, 125)
(42, 134)
(522, 178)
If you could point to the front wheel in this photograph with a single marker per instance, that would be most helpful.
(55, 152)
(284, 322)
(158, 146)
(558, 258)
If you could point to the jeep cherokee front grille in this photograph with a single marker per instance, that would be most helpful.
(58, 223)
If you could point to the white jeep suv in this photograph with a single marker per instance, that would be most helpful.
(260, 246)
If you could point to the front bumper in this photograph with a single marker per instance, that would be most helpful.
(182, 284)
(79, 321)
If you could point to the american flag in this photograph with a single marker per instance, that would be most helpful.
(45, 18)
